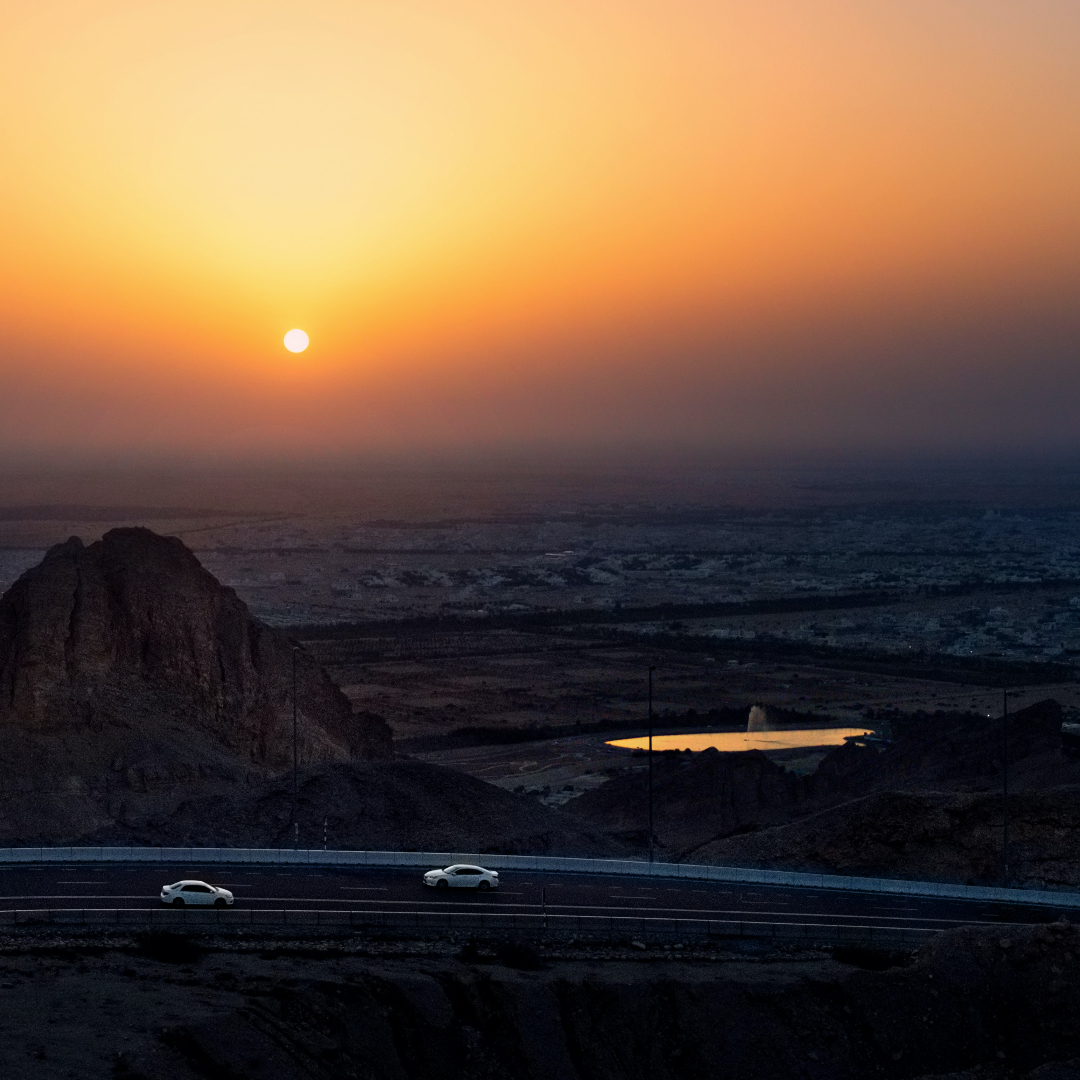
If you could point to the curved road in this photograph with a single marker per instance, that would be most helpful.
(521, 892)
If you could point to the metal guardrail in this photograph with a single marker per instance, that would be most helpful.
(536, 863)
(622, 927)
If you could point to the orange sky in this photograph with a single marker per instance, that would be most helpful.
(819, 222)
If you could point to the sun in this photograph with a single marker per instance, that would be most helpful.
(296, 341)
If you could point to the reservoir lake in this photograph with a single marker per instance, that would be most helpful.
(733, 741)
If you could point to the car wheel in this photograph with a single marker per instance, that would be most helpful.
(442, 883)
(178, 902)
(483, 885)
(219, 902)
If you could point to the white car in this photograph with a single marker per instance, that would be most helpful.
(195, 892)
(461, 876)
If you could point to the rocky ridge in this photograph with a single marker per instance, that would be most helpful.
(129, 676)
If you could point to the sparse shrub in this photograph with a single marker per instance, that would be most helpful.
(516, 954)
(868, 959)
(168, 947)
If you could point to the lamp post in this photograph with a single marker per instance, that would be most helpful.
(1005, 695)
(652, 668)
(295, 756)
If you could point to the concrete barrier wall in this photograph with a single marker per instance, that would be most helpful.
(246, 920)
(196, 857)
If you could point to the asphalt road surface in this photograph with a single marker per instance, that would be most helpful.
(520, 892)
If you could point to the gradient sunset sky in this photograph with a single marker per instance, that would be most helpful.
(786, 224)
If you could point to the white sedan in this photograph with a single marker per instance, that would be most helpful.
(195, 892)
(461, 876)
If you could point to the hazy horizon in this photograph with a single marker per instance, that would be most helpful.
(418, 487)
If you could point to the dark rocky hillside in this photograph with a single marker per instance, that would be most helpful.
(696, 798)
(130, 677)
(928, 835)
(956, 753)
(927, 805)
(400, 805)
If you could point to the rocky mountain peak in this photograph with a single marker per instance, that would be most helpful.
(132, 631)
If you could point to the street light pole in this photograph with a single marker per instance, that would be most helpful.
(295, 756)
(1005, 789)
(651, 670)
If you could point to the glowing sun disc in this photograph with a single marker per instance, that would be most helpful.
(296, 341)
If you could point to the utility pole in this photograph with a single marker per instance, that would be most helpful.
(652, 668)
(295, 756)
(1005, 695)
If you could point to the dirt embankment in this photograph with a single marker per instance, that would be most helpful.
(994, 1004)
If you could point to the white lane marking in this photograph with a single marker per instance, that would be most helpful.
(84, 896)
(698, 912)
(363, 888)
(876, 912)
(706, 912)
(493, 903)
(760, 913)
(82, 883)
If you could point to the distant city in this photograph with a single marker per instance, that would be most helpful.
(956, 580)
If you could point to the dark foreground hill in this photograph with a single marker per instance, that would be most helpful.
(130, 677)
(400, 805)
(986, 1003)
